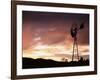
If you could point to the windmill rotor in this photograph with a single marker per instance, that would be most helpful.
(74, 30)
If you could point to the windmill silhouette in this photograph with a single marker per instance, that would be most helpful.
(74, 32)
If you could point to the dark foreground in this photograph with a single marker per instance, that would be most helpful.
(42, 63)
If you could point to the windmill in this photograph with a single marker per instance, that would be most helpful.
(74, 32)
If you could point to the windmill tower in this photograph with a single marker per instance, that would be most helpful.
(74, 32)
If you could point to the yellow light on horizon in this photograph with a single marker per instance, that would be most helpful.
(49, 51)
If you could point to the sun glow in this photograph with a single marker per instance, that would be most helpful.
(54, 52)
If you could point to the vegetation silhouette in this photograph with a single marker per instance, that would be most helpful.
(46, 63)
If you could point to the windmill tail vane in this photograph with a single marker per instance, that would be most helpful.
(81, 26)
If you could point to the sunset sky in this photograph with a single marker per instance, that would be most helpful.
(47, 35)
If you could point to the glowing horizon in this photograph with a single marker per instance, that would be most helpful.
(53, 52)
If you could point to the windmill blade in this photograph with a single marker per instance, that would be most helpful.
(81, 26)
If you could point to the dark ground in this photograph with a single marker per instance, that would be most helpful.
(43, 63)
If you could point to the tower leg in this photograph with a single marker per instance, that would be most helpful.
(73, 50)
(77, 50)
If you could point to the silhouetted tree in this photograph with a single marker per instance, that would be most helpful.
(64, 59)
(81, 60)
